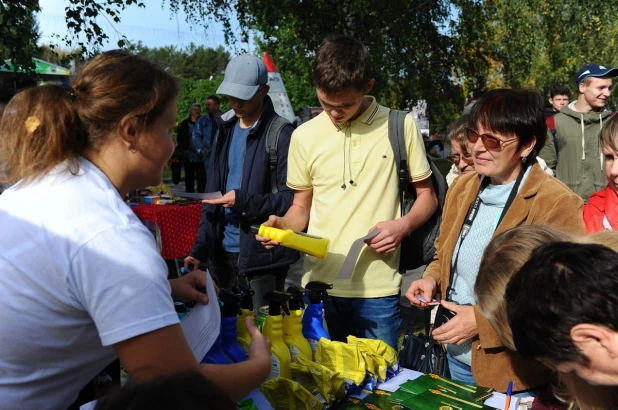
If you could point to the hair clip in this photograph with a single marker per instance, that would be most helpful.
(71, 92)
(32, 123)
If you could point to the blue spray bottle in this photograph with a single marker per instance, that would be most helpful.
(313, 318)
(229, 334)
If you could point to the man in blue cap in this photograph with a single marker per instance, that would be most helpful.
(249, 165)
(573, 148)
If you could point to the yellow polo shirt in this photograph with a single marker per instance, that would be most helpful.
(322, 157)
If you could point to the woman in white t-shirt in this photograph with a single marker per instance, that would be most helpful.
(81, 280)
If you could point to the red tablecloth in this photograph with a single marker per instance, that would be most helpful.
(177, 223)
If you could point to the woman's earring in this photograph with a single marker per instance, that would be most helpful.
(131, 148)
(524, 159)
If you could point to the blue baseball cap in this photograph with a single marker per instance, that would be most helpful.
(595, 70)
(244, 74)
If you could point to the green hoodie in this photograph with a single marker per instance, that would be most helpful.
(579, 169)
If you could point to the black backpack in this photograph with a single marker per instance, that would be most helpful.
(275, 126)
(417, 249)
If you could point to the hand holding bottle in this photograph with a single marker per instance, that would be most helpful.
(259, 349)
(276, 222)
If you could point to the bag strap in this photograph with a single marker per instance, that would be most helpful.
(396, 130)
(273, 131)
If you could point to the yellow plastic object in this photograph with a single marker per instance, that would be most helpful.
(160, 188)
(293, 336)
(319, 380)
(285, 394)
(378, 355)
(311, 245)
(342, 358)
(279, 352)
(244, 338)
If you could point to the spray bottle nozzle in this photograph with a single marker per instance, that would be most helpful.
(317, 291)
(231, 303)
(277, 301)
(246, 292)
(255, 229)
(297, 302)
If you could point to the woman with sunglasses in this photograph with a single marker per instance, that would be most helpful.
(460, 156)
(505, 130)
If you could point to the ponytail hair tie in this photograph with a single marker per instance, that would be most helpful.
(70, 91)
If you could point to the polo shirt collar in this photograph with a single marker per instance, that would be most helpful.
(366, 117)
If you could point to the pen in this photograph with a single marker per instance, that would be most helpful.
(509, 392)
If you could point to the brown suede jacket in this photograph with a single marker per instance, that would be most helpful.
(542, 200)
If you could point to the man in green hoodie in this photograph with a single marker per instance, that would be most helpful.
(573, 148)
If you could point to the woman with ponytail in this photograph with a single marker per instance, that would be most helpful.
(81, 281)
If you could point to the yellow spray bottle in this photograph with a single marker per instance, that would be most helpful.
(311, 245)
(293, 327)
(273, 329)
(246, 308)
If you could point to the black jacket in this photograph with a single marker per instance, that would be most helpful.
(254, 200)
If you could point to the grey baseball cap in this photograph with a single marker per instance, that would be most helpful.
(243, 76)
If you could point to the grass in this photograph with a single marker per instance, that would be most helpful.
(167, 173)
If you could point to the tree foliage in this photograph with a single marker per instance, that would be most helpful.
(433, 50)
(539, 43)
(196, 62)
(196, 91)
(84, 31)
(19, 32)
(411, 54)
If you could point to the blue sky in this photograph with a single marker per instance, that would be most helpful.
(154, 26)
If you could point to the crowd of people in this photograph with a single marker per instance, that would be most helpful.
(81, 281)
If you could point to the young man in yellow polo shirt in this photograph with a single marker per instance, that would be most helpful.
(344, 177)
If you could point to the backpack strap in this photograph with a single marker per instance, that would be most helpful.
(396, 127)
(275, 126)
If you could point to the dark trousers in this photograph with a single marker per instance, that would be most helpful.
(225, 268)
(195, 171)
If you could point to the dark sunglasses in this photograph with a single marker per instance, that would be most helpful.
(455, 158)
(489, 141)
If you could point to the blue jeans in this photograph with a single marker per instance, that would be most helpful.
(371, 318)
(460, 371)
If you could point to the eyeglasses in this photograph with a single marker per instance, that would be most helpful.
(455, 158)
(489, 141)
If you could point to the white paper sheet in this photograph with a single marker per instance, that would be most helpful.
(207, 195)
(202, 324)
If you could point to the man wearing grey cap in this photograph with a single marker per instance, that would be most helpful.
(253, 182)
(573, 149)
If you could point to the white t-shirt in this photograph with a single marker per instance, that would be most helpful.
(79, 272)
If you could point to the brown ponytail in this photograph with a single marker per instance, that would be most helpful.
(45, 126)
(40, 129)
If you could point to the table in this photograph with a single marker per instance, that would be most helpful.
(177, 223)
(497, 400)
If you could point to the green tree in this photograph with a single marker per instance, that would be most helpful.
(538, 43)
(196, 91)
(411, 54)
(57, 56)
(194, 62)
(19, 32)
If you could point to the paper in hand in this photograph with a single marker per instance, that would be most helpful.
(208, 195)
(202, 324)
